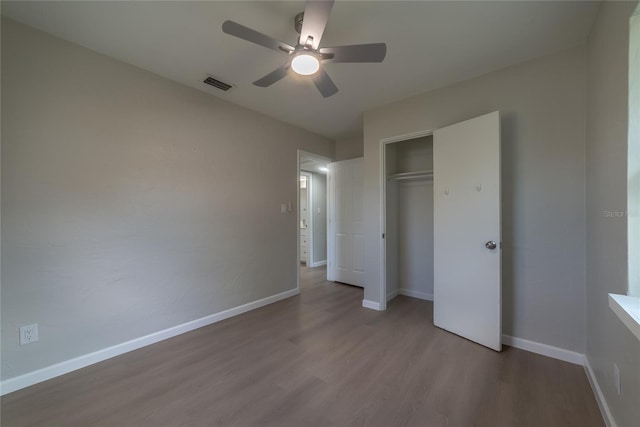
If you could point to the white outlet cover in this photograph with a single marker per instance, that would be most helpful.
(28, 334)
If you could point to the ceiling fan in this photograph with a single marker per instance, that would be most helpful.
(307, 57)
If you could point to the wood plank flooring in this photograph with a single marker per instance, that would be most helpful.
(318, 359)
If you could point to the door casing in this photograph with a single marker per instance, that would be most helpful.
(382, 305)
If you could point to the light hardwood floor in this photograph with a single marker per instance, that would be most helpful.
(318, 359)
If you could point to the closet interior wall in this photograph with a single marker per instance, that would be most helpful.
(409, 218)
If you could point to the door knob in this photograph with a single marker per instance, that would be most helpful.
(490, 245)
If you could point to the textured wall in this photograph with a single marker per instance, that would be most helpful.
(131, 204)
(608, 340)
(542, 105)
(349, 148)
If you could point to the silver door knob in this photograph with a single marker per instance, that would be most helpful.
(490, 245)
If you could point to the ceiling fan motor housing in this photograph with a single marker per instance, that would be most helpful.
(307, 54)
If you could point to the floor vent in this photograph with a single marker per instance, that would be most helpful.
(218, 84)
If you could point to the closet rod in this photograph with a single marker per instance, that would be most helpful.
(412, 175)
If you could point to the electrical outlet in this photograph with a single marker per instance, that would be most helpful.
(616, 379)
(28, 334)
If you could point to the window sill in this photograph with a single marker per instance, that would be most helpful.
(628, 310)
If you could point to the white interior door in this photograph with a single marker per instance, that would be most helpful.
(467, 282)
(346, 222)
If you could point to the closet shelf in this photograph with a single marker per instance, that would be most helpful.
(412, 175)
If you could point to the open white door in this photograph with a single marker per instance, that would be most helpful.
(467, 261)
(345, 251)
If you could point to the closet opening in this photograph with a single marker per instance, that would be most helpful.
(408, 217)
(441, 216)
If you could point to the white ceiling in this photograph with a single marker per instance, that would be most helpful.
(308, 164)
(429, 45)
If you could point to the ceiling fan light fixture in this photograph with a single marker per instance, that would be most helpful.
(305, 64)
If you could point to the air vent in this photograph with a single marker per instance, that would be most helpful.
(218, 84)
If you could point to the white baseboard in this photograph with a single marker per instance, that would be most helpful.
(416, 294)
(602, 402)
(16, 383)
(567, 356)
(318, 263)
(544, 349)
(372, 305)
(410, 293)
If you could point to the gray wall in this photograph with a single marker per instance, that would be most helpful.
(415, 217)
(542, 105)
(409, 215)
(319, 217)
(608, 340)
(633, 172)
(349, 148)
(415, 236)
(131, 204)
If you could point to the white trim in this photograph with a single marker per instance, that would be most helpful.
(597, 392)
(544, 349)
(309, 176)
(297, 264)
(628, 310)
(392, 295)
(372, 305)
(416, 294)
(410, 293)
(16, 383)
(408, 136)
(318, 264)
(567, 356)
(383, 204)
(330, 237)
(314, 156)
(383, 229)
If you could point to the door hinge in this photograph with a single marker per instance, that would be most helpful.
(383, 235)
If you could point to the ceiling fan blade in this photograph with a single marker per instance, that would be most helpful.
(253, 36)
(324, 83)
(274, 76)
(374, 52)
(316, 15)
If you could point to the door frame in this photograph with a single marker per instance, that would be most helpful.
(308, 155)
(383, 206)
(309, 216)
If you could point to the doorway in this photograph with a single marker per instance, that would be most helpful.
(312, 219)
